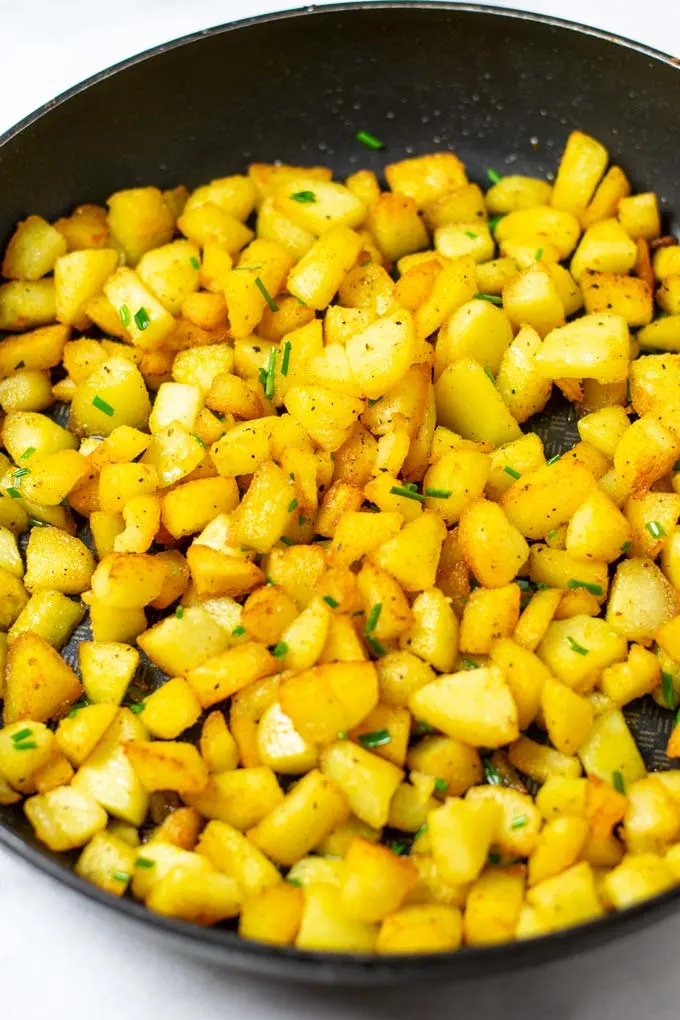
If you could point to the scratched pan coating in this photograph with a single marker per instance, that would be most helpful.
(501, 89)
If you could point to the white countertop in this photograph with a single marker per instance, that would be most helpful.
(59, 957)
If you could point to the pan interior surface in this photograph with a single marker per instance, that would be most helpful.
(502, 90)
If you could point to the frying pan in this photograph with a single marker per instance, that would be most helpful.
(501, 88)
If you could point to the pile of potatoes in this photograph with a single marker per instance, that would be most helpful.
(295, 436)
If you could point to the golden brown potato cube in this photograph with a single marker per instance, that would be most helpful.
(652, 818)
(25, 304)
(50, 615)
(469, 404)
(25, 748)
(426, 928)
(461, 834)
(32, 250)
(489, 614)
(231, 852)
(167, 765)
(57, 561)
(78, 277)
(375, 881)
(112, 395)
(492, 547)
(413, 554)
(128, 580)
(612, 188)
(191, 506)
(458, 764)
(319, 273)
(433, 635)
(272, 915)
(568, 716)
(493, 906)
(610, 752)
(323, 925)
(639, 216)
(426, 178)
(79, 733)
(368, 782)
(108, 862)
(202, 899)
(530, 504)
(640, 601)
(525, 675)
(394, 222)
(583, 162)
(542, 763)
(65, 818)
(627, 296)
(473, 706)
(559, 846)
(606, 248)
(139, 219)
(239, 797)
(348, 691)
(533, 299)
(13, 598)
(476, 329)
(221, 676)
(640, 876)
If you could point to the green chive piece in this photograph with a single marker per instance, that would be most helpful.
(22, 735)
(292, 505)
(30, 746)
(262, 375)
(493, 298)
(493, 857)
(618, 781)
(552, 534)
(470, 664)
(279, 649)
(575, 646)
(37, 524)
(489, 374)
(519, 822)
(102, 406)
(237, 269)
(195, 264)
(522, 583)
(333, 603)
(285, 360)
(655, 529)
(421, 831)
(179, 612)
(376, 646)
(397, 847)
(438, 493)
(402, 490)
(199, 441)
(372, 403)
(441, 785)
(594, 589)
(295, 882)
(137, 709)
(375, 739)
(301, 519)
(552, 460)
(493, 176)
(369, 140)
(422, 727)
(14, 493)
(286, 541)
(471, 234)
(142, 319)
(493, 222)
(239, 631)
(511, 471)
(372, 618)
(626, 546)
(271, 372)
(539, 254)
(120, 876)
(273, 307)
(144, 862)
(668, 690)
(304, 197)
(19, 473)
(28, 452)
(676, 466)
(493, 776)
(341, 735)
(124, 313)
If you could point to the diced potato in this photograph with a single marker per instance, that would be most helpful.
(530, 503)
(427, 928)
(38, 684)
(367, 781)
(461, 834)
(108, 862)
(489, 614)
(477, 329)
(323, 925)
(375, 881)
(566, 899)
(493, 906)
(606, 248)
(239, 797)
(640, 600)
(273, 915)
(65, 818)
(469, 403)
(473, 706)
(79, 733)
(610, 749)
(50, 615)
(583, 162)
(638, 877)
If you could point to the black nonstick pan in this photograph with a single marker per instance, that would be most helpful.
(502, 89)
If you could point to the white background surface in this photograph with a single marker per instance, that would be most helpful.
(59, 958)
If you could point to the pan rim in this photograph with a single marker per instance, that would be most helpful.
(328, 966)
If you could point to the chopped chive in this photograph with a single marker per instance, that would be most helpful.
(372, 403)
(522, 583)
(239, 631)
(142, 319)
(422, 727)
(102, 406)
(668, 690)
(594, 589)
(199, 441)
(120, 876)
(341, 735)
(144, 862)
(271, 372)
(273, 307)
(375, 645)
(493, 176)
(655, 529)
(138, 708)
(493, 222)
(489, 374)
(575, 646)
(279, 649)
(493, 298)
(493, 857)
(626, 546)
(366, 262)
(292, 505)
(552, 534)
(375, 739)
(14, 493)
(493, 776)
(441, 785)
(285, 360)
(618, 781)
(22, 735)
(470, 234)
(124, 313)
(37, 524)
(262, 376)
(304, 197)
(438, 493)
(541, 586)
(397, 847)
(30, 746)
(676, 466)
(421, 831)
(195, 264)
(286, 541)
(552, 460)
(369, 140)
(372, 618)
(19, 473)
(519, 822)
(179, 612)
(237, 269)
(333, 603)
(294, 881)
(511, 471)
(301, 519)
(470, 664)
(539, 254)
(28, 452)
(402, 490)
